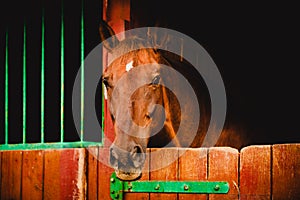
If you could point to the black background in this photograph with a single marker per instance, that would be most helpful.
(256, 48)
(255, 45)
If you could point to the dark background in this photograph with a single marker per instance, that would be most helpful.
(255, 45)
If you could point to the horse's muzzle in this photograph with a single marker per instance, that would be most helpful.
(127, 164)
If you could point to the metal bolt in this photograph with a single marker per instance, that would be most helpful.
(217, 187)
(185, 187)
(156, 187)
(112, 180)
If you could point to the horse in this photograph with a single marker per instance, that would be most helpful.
(150, 104)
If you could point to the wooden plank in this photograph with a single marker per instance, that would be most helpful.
(223, 166)
(0, 171)
(52, 174)
(255, 172)
(145, 177)
(193, 167)
(163, 166)
(109, 134)
(72, 170)
(104, 173)
(32, 175)
(64, 174)
(92, 172)
(286, 171)
(11, 171)
(125, 15)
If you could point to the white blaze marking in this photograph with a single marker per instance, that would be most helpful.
(129, 66)
(105, 92)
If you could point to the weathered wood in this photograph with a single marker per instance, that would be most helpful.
(0, 171)
(145, 177)
(92, 172)
(109, 135)
(104, 173)
(64, 174)
(52, 174)
(11, 171)
(32, 175)
(223, 166)
(255, 172)
(192, 167)
(115, 13)
(163, 166)
(73, 170)
(286, 171)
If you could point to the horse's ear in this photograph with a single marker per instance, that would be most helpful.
(106, 32)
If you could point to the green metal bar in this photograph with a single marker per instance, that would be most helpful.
(82, 75)
(191, 187)
(118, 187)
(24, 86)
(6, 88)
(43, 81)
(62, 75)
(54, 145)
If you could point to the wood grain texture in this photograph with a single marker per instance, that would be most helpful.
(223, 166)
(163, 166)
(32, 175)
(193, 167)
(64, 174)
(73, 174)
(255, 172)
(52, 174)
(11, 172)
(104, 173)
(92, 172)
(286, 171)
(0, 171)
(109, 134)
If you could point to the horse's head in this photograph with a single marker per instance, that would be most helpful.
(136, 101)
(151, 105)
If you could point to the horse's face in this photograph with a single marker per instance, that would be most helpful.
(134, 92)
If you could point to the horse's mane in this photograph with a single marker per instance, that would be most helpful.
(143, 52)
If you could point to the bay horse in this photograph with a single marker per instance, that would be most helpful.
(149, 103)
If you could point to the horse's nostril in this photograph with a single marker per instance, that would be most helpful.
(137, 149)
(138, 156)
(113, 158)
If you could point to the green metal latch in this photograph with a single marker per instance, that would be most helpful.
(118, 187)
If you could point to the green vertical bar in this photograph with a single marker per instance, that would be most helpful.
(82, 76)
(62, 70)
(43, 80)
(6, 88)
(24, 86)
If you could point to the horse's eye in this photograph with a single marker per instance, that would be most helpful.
(155, 80)
(105, 82)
